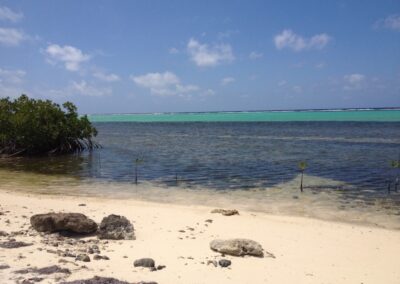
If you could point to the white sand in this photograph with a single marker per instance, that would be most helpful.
(306, 250)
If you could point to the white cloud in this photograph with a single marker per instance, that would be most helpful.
(288, 39)
(227, 80)
(204, 55)
(106, 77)
(173, 50)
(11, 37)
(208, 92)
(320, 65)
(163, 84)
(87, 89)
(255, 55)
(354, 78)
(6, 14)
(391, 22)
(71, 56)
(354, 81)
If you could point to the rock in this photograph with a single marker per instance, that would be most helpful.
(99, 257)
(144, 262)
(67, 222)
(4, 266)
(208, 221)
(13, 244)
(3, 234)
(115, 227)
(237, 247)
(213, 262)
(83, 257)
(160, 267)
(226, 212)
(97, 280)
(224, 262)
(103, 280)
(45, 270)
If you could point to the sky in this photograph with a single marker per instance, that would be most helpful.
(183, 56)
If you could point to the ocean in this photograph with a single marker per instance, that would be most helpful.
(246, 160)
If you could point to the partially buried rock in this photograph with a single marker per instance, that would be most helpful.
(69, 222)
(115, 227)
(144, 262)
(14, 244)
(226, 212)
(237, 247)
(224, 262)
(103, 280)
(99, 257)
(83, 257)
(4, 266)
(3, 234)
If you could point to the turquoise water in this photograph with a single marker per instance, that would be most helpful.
(339, 115)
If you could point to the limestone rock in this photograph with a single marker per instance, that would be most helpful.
(69, 222)
(144, 262)
(226, 212)
(115, 227)
(237, 247)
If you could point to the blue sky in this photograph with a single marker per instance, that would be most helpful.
(160, 56)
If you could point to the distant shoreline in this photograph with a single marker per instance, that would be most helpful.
(361, 114)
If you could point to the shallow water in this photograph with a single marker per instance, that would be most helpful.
(248, 165)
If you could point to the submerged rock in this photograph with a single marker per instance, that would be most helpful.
(115, 227)
(69, 222)
(144, 262)
(237, 247)
(226, 212)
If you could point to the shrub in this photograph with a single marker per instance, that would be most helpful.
(30, 127)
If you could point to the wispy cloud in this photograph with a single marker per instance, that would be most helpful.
(288, 39)
(255, 55)
(227, 80)
(353, 81)
(107, 77)
(11, 36)
(6, 14)
(87, 89)
(70, 56)
(204, 55)
(11, 82)
(391, 22)
(173, 50)
(164, 84)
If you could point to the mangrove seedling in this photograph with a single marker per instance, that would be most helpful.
(302, 166)
(138, 161)
(396, 166)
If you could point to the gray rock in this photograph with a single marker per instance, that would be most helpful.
(226, 212)
(67, 222)
(144, 262)
(4, 266)
(99, 257)
(103, 280)
(45, 270)
(237, 247)
(160, 267)
(3, 234)
(83, 257)
(11, 244)
(224, 262)
(115, 227)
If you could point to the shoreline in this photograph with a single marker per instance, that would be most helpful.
(307, 250)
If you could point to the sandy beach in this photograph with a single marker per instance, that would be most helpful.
(305, 250)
